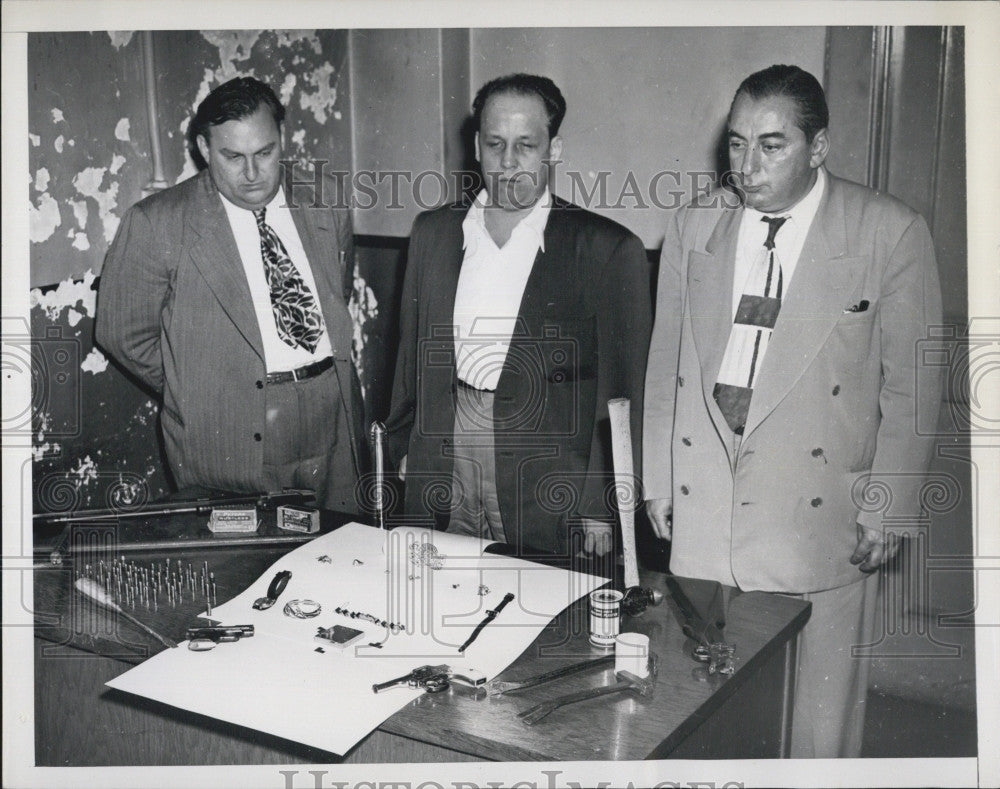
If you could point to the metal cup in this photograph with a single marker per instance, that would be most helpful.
(605, 614)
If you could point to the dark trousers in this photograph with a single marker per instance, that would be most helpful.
(475, 507)
(307, 441)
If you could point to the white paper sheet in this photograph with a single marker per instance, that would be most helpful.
(277, 682)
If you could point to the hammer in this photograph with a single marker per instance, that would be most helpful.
(637, 598)
(627, 681)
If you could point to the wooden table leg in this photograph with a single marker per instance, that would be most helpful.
(788, 695)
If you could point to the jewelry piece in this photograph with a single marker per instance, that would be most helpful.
(302, 609)
(427, 555)
(394, 627)
(356, 562)
(490, 616)
(325, 559)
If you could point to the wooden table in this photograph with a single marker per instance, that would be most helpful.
(690, 715)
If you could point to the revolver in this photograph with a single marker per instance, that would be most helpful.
(201, 639)
(433, 679)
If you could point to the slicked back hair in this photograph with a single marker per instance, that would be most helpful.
(796, 84)
(232, 101)
(524, 85)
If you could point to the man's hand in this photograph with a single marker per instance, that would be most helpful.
(659, 512)
(598, 536)
(874, 548)
(402, 468)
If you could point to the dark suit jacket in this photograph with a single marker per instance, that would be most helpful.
(580, 339)
(175, 310)
(833, 434)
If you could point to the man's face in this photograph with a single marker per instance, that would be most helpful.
(243, 158)
(777, 164)
(513, 148)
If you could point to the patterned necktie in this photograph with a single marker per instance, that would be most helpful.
(751, 332)
(296, 316)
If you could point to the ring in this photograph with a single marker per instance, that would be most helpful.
(302, 609)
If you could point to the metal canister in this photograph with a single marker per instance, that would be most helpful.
(605, 614)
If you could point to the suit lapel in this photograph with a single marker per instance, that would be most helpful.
(823, 280)
(217, 258)
(448, 256)
(549, 276)
(710, 293)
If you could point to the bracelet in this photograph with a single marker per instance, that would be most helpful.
(393, 626)
(302, 609)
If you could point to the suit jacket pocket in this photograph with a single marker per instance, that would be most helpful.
(852, 342)
(850, 319)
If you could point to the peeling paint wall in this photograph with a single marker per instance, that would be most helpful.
(94, 428)
(306, 68)
(88, 149)
(89, 141)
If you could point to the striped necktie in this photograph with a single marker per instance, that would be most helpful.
(755, 318)
(296, 315)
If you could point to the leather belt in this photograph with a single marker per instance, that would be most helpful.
(302, 373)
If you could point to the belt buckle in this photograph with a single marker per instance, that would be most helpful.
(295, 375)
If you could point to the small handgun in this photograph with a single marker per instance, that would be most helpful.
(433, 679)
(219, 633)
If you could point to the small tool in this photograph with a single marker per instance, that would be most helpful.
(201, 639)
(490, 616)
(433, 679)
(498, 687)
(702, 608)
(639, 598)
(705, 623)
(90, 588)
(627, 681)
(278, 584)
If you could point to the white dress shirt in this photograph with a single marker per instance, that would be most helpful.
(490, 288)
(278, 355)
(787, 243)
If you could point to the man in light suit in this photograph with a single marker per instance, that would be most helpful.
(230, 301)
(521, 316)
(782, 385)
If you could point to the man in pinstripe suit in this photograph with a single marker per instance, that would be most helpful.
(230, 300)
